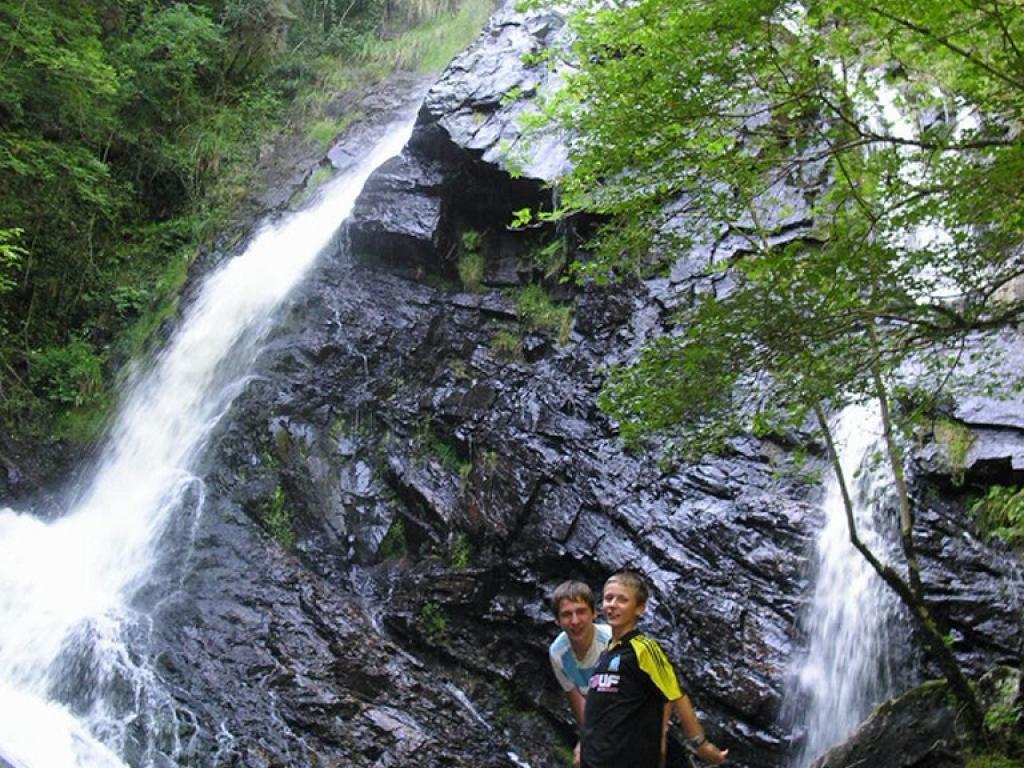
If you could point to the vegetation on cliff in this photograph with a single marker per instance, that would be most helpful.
(130, 134)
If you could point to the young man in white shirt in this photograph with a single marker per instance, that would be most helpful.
(575, 651)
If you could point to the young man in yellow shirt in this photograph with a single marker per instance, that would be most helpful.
(623, 721)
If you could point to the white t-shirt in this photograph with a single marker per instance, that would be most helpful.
(570, 671)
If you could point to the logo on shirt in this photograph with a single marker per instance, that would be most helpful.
(613, 665)
(604, 683)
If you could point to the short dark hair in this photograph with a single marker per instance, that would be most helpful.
(631, 580)
(575, 591)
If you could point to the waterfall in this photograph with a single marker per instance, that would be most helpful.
(851, 623)
(71, 692)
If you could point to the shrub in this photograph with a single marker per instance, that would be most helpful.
(70, 374)
(540, 313)
(278, 519)
(460, 554)
(1000, 514)
(507, 346)
(471, 263)
(394, 544)
(434, 622)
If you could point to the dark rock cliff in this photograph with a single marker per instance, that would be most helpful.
(445, 465)
(416, 466)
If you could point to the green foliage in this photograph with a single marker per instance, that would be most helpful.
(507, 346)
(506, 709)
(277, 518)
(430, 45)
(471, 263)
(324, 131)
(460, 552)
(538, 312)
(316, 180)
(160, 304)
(880, 138)
(440, 448)
(434, 622)
(444, 452)
(129, 135)
(356, 425)
(394, 544)
(1005, 746)
(988, 760)
(1004, 742)
(764, 87)
(956, 440)
(565, 755)
(672, 146)
(70, 374)
(171, 57)
(551, 259)
(459, 368)
(11, 257)
(699, 402)
(1000, 514)
(797, 465)
(417, 11)
(1003, 716)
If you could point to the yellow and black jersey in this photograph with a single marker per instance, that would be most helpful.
(622, 719)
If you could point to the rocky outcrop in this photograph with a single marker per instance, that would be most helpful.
(455, 175)
(923, 728)
(988, 447)
(916, 729)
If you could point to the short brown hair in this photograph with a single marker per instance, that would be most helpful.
(575, 591)
(631, 580)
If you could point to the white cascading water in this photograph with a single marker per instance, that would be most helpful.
(848, 665)
(68, 582)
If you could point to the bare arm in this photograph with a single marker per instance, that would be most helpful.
(576, 700)
(666, 718)
(691, 727)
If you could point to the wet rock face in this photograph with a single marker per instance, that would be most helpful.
(272, 665)
(444, 465)
(455, 175)
(390, 410)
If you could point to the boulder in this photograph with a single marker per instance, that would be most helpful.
(923, 728)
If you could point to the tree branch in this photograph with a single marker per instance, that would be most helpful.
(948, 44)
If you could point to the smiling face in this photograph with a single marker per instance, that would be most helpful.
(576, 618)
(621, 607)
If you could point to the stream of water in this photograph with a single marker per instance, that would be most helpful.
(853, 623)
(71, 691)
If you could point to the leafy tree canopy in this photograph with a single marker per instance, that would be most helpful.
(884, 138)
(129, 132)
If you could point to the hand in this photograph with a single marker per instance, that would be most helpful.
(576, 756)
(709, 753)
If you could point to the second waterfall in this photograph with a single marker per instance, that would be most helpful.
(852, 627)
